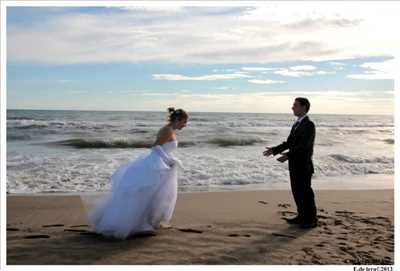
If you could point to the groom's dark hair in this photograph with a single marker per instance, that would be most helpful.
(304, 102)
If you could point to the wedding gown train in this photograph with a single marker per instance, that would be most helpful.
(143, 195)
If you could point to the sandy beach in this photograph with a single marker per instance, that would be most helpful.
(246, 227)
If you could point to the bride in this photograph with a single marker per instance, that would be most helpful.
(144, 190)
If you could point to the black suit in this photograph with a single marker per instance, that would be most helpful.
(300, 143)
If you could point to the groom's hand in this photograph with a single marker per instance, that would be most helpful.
(268, 152)
(283, 158)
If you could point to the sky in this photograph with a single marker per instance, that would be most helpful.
(340, 55)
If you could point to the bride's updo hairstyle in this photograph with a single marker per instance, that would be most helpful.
(178, 114)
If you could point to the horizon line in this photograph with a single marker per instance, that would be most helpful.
(220, 112)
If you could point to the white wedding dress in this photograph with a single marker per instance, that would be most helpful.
(143, 195)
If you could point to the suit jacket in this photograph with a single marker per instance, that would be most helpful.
(300, 143)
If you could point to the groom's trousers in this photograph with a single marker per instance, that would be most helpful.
(303, 195)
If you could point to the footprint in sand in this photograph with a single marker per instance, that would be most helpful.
(90, 233)
(284, 205)
(143, 234)
(237, 235)
(262, 202)
(283, 235)
(307, 250)
(379, 238)
(12, 229)
(381, 218)
(285, 213)
(338, 222)
(389, 260)
(75, 230)
(191, 230)
(37, 236)
(376, 243)
(371, 230)
(347, 227)
(345, 213)
(53, 225)
(327, 231)
(316, 261)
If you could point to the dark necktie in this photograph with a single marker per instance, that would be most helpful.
(295, 125)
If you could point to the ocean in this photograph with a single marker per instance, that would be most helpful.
(77, 151)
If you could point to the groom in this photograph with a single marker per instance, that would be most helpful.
(300, 144)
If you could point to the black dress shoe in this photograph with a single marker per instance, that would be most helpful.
(309, 224)
(294, 220)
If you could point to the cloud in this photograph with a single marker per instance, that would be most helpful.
(307, 23)
(324, 72)
(212, 77)
(370, 76)
(287, 72)
(266, 81)
(207, 35)
(184, 10)
(377, 70)
(337, 66)
(293, 71)
(222, 88)
(334, 63)
(303, 68)
(301, 71)
(152, 9)
(223, 70)
(259, 69)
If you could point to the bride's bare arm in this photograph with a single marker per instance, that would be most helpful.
(164, 135)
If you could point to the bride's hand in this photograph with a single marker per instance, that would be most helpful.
(177, 163)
